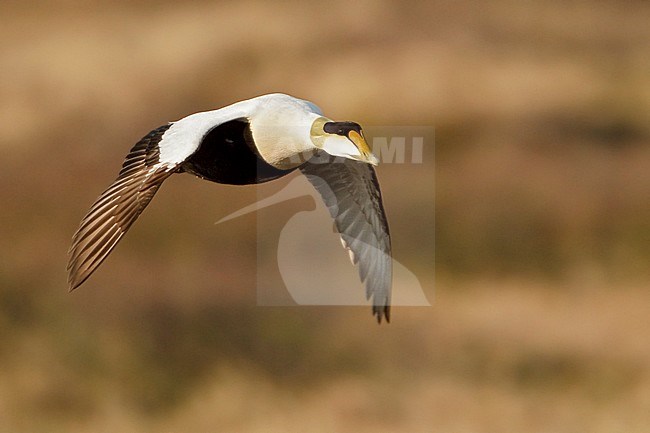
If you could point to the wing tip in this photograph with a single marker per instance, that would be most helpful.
(381, 311)
(75, 278)
(74, 282)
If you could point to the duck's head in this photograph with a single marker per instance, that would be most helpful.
(343, 139)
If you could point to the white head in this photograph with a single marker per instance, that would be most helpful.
(341, 139)
(288, 130)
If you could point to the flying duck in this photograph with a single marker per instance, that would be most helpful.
(250, 142)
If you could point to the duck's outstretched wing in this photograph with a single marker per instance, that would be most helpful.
(351, 192)
(152, 160)
(118, 207)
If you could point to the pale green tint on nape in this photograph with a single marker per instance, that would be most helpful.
(317, 133)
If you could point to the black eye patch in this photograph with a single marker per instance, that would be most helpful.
(341, 128)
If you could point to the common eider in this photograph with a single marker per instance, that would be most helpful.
(250, 142)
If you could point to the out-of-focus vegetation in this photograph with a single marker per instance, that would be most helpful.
(542, 228)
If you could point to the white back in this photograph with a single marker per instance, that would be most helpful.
(280, 125)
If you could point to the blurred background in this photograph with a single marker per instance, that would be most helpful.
(541, 311)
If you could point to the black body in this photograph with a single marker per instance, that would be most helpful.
(227, 154)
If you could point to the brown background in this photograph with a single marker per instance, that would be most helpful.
(541, 310)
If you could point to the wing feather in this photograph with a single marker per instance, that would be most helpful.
(351, 192)
(117, 208)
